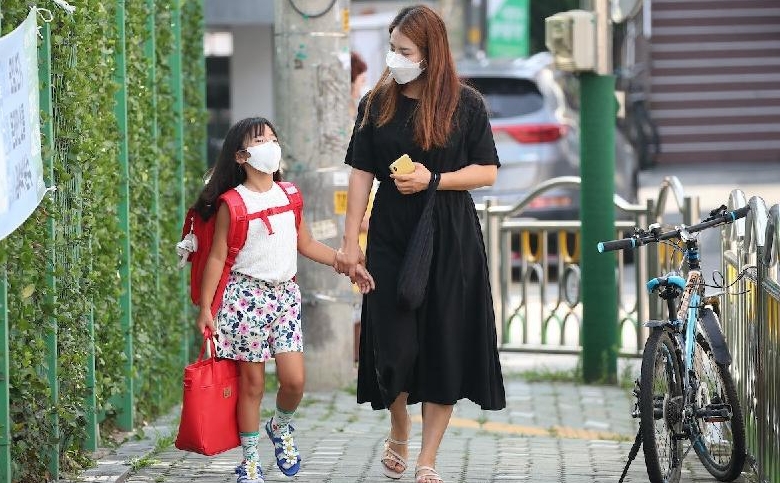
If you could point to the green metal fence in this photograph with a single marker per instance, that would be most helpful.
(71, 244)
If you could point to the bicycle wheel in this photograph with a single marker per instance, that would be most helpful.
(718, 428)
(660, 405)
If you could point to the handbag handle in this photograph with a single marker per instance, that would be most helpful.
(433, 183)
(207, 339)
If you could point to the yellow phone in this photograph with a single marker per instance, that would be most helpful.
(402, 165)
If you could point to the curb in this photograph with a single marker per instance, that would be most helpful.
(117, 465)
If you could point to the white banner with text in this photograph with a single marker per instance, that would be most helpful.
(21, 167)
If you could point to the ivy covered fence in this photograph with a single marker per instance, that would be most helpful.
(95, 314)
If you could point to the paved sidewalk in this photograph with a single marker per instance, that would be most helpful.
(549, 432)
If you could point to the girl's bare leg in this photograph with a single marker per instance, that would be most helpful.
(251, 383)
(290, 371)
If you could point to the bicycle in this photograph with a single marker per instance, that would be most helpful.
(685, 390)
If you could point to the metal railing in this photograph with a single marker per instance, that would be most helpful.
(751, 322)
(535, 267)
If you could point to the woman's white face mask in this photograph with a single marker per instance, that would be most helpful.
(402, 69)
(265, 157)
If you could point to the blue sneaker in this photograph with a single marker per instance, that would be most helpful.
(288, 459)
(249, 472)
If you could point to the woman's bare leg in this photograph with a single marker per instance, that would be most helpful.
(400, 427)
(436, 418)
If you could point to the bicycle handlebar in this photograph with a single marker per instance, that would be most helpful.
(643, 237)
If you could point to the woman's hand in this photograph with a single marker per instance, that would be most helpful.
(348, 257)
(413, 182)
(206, 321)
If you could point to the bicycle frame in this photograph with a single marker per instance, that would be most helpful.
(683, 319)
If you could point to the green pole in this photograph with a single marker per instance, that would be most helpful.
(151, 56)
(597, 214)
(5, 410)
(126, 400)
(47, 125)
(178, 109)
(5, 397)
(90, 402)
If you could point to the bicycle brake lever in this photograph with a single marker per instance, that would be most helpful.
(720, 211)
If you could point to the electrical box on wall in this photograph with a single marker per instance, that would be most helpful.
(571, 38)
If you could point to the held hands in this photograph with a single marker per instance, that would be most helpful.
(413, 182)
(352, 264)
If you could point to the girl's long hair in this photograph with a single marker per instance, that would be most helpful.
(441, 87)
(227, 173)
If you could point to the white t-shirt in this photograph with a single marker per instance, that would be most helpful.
(271, 258)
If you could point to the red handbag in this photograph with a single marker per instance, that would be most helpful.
(208, 422)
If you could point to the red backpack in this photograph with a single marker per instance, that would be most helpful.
(236, 237)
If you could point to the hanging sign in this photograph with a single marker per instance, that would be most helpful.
(508, 28)
(21, 167)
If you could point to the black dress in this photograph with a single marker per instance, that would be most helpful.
(446, 349)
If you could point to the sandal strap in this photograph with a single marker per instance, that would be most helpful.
(427, 473)
(392, 456)
(389, 439)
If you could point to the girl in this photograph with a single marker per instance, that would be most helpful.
(259, 317)
(446, 349)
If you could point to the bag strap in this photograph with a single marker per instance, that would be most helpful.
(236, 238)
(239, 223)
(433, 184)
(207, 339)
(295, 198)
(294, 203)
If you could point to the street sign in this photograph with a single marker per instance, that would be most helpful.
(508, 28)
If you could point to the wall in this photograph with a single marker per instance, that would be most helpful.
(251, 72)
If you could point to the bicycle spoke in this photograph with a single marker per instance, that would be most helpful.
(717, 425)
(661, 409)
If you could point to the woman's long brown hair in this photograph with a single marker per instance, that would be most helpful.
(441, 87)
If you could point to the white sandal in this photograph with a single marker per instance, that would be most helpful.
(391, 457)
(426, 474)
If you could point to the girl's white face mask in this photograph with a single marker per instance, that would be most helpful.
(265, 157)
(402, 69)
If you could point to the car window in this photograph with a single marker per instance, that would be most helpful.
(508, 97)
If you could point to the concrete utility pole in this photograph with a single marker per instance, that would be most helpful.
(312, 86)
(597, 212)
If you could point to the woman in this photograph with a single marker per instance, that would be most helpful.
(446, 349)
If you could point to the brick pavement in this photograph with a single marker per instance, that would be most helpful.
(549, 432)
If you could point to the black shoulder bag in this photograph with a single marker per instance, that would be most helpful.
(416, 266)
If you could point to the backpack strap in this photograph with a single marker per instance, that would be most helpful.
(294, 203)
(239, 224)
(236, 238)
(295, 198)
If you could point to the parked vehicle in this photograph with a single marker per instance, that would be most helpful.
(534, 114)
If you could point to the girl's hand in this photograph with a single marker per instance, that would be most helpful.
(363, 279)
(413, 182)
(206, 321)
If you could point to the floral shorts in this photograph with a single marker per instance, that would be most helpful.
(258, 320)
